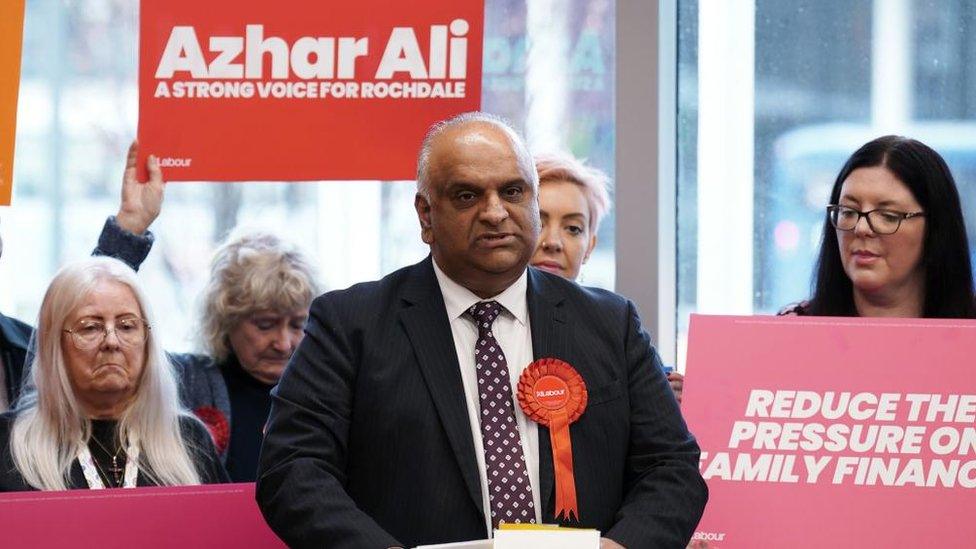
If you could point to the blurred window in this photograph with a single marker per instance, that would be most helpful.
(772, 98)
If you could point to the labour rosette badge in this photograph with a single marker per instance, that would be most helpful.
(552, 393)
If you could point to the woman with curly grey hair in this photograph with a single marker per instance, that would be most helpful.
(254, 309)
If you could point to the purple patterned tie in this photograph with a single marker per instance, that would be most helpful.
(509, 490)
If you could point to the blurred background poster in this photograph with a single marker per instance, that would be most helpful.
(11, 32)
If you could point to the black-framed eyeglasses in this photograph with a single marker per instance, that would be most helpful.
(89, 334)
(880, 220)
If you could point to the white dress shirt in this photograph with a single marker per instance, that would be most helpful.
(514, 334)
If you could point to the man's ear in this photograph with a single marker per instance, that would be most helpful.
(423, 215)
(589, 249)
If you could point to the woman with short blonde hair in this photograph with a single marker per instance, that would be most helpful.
(573, 199)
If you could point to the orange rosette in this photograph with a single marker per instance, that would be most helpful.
(552, 393)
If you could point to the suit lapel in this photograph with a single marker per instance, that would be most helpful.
(425, 320)
(550, 338)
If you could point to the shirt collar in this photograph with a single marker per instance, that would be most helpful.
(458, 299)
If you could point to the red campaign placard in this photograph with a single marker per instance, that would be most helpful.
(217, 515)
(834, 432)
(236, 90)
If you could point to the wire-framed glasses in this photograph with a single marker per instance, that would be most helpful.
(89, 333)
(881, 221)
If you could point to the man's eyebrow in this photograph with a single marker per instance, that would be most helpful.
(455, 186)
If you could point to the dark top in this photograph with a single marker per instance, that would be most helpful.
(250, 403)
(203, 391)
(14, 340)
(107, 452)
(195, 436)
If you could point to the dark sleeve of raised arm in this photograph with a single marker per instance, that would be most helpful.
(665, 494)
(302, 471)
(121, 244)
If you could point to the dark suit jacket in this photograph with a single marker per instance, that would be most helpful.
(369, 443)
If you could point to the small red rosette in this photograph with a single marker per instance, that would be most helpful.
(552, 393)
(217, 424)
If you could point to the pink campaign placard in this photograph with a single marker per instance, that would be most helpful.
(829, 432)
(223, 515)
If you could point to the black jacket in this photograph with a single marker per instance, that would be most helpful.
(14, 340)
(369, 443)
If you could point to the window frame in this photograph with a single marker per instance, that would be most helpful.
(646, 166)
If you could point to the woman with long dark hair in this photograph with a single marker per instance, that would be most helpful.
(894, 239)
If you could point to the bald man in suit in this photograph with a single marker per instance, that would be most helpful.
(381, 431)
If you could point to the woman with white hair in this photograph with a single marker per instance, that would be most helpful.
(125, 236)
(103, 408)
(253, 317)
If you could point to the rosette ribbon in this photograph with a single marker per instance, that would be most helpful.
(552, 393)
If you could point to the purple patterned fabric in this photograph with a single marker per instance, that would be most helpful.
(509, 490)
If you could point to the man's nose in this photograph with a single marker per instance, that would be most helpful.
(495, 211)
